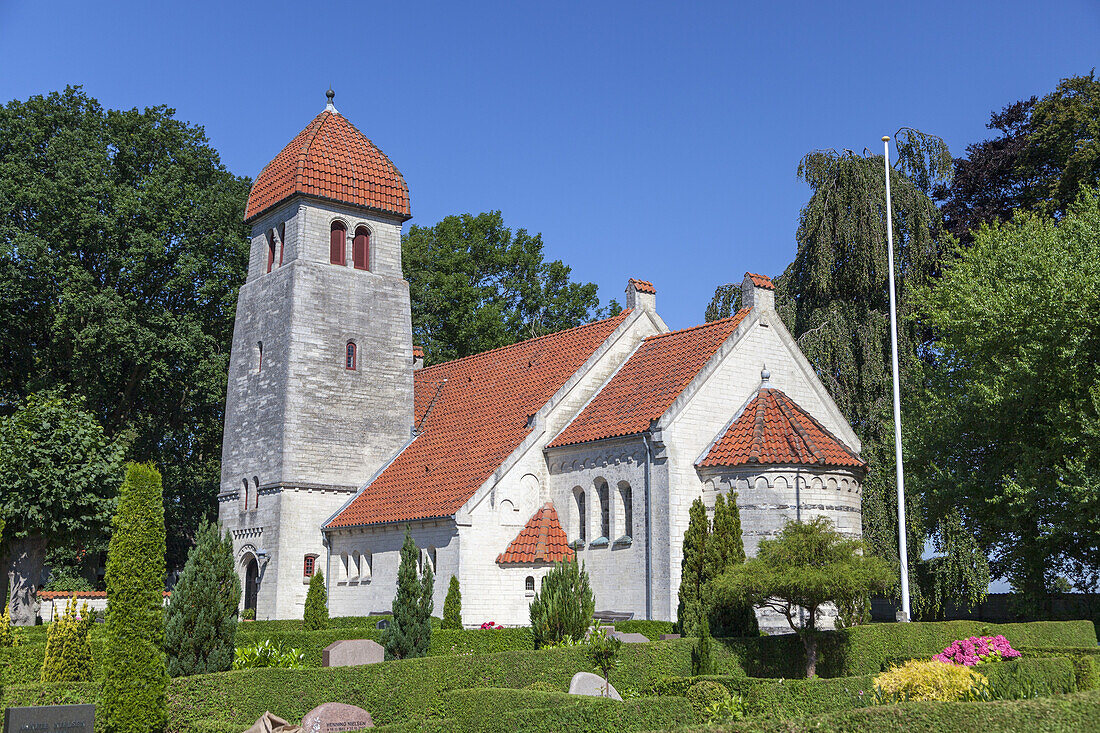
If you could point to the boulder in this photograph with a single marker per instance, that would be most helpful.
(592, 685)
(352, 652)
(334, 717)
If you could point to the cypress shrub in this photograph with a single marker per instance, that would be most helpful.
(133, 696)
(563, 606)
(7, 636)
(452, 606)
(728, 551)
(316, 613)
(701, 663)
(68, 650)
(694, 570)
(410, 630)
(200, 625)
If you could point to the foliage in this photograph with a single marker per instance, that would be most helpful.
(8, 638)
(249, 614)
(122, 247)
(705, 693)
(807, 566)
(452, 606)
(1010, 438)
(563, 606)
(603, 652)
(475, 285)
(134, 687)
(68, 655)
(409, 633)
(65, 580)
(727, 551)
(977, 650)
(927, 680)
(695, 570)
(268, 654)
(959, 573)
(59, 472)
(200, 625)
(701, 662)
(648, 628)
(315, 616)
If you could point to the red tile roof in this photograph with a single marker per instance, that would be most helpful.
(480, 409)
(418, 352)
(648, 383)
(332, 160)
(643, 286)
(773, 429)
(49, 595)
(761, 281)
(541, 540)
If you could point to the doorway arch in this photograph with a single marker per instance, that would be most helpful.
(251, 583)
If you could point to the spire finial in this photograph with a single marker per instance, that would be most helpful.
(765, 375)
(331, 96)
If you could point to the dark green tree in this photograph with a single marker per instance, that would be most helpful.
(315, 616)
(59, 474)
(695, 570)
(808, 565)
(1011, 436)
(728, 551)
(702, 662)
(477, 285)
(452, 606)
(121, 250)
(133, 694)
(410, 630)
(563, 606)
(200, 625)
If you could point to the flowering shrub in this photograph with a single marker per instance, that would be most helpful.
(928, 680)
(977, 650)
(491, 625)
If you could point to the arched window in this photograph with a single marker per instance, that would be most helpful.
(309, 565)
(338, 238)
(365, 566)
(270, 248)
(259, 356)
(605, 508)
(529, 584)
(350, 356)
(626, 501)
(582, 515)
(432, 555)
(343, 569)
(244, 495)
(282, 242)
(353, 568)
(360, 249)
(256, 492)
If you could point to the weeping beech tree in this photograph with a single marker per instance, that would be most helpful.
(834, 299)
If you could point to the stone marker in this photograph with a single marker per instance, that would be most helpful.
(333, 717)
(352, 652)
(592, 685)
(666, 637)
(74, 718)
(630, 638)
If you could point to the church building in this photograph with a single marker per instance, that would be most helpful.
(590, 443)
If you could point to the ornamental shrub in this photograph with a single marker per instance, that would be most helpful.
(8, 638)
(726, 551)
(563, 606)
(200, 625)
(410, 631)
(603, 651)
(701, 663)
(977, 650)
(133, 696)
(268, 654)
(704, 694)
(452, 606)
(68, 650)
(928, 680)
(315, 617)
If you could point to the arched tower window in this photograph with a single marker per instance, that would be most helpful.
(350, 356)
(309, 565)
(256, 492)
(626, 501)
(282, 242)
(244, 495)
(360, 249)
(270, 248)
(338, 237)
(582, 515)
(605, 508)
(259, 356)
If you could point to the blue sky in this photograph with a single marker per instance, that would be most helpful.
(651, 140)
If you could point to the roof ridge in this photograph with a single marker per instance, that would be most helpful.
(736, 317)
(818, 424)
(799, 430)
(622, 314)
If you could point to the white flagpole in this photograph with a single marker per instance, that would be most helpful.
(904, 614)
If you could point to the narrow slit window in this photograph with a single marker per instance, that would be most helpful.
(255, 492)
(282, 242)
(360, 249)
(337, 242)
(259, 356)
(350, 356)
(270, 248)
(605, 509)
(582, 517)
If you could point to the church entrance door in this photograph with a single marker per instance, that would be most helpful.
(251, 584)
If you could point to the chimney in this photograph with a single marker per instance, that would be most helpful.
(641, 294)
(418, 357)
(757, 291)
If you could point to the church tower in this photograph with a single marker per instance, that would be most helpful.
(320, 389)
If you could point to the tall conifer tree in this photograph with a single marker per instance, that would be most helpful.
(694, 570)
(452, 606)
(728, 552)
(410, 629)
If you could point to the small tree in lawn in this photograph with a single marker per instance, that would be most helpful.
(133, 695)
(200, 626)
(806, 567)
(727, 550)
(695, 570)
(410, 630)
(563, 606)
(316, 613)
(603, 651)
(452, 606)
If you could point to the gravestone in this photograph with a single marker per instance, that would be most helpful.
(352, 652)
(334, 717)
(592, 685)
(630, 638)
(68, 718)
(666, 637)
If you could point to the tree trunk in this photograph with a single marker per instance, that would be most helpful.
(25, 559)
(809, 640)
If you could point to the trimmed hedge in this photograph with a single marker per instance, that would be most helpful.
(1059, 714)
(508, 710)
(652, 630)
(1085, 660)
